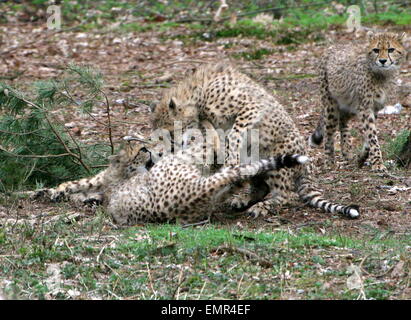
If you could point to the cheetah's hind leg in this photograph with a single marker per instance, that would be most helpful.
(345, 137)
(248, 194)
(280, 187)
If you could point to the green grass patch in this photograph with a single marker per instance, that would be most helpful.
(144, 27)
(168, 261)
(394, 147)
(392, 18)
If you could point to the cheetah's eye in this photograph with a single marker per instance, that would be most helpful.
(391, 50)
(376, 50)
(144, 149)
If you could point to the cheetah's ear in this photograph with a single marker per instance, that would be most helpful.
(402, 37)
(370, 35)
(172, 105)
(153, 106)
(117, 158)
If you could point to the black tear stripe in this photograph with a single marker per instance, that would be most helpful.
(149, 164)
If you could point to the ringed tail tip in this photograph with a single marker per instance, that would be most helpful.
(303, 159)
(354, 211)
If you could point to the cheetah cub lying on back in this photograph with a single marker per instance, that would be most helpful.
(356, 81)
(136, 190)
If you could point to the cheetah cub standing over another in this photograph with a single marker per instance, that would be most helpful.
(357, 81)
(234, 103)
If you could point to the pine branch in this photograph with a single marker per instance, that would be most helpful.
(34, 155)
(35, 145)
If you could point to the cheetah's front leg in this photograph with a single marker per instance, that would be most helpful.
(371, 147)
(234, 143)
(243, 126)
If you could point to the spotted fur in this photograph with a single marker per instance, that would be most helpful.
(136, 190)
(175, 189)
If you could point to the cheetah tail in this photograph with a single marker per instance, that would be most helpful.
(243, 172)
(288, 161)
(316, 138)
(274, 163)
(314, 197)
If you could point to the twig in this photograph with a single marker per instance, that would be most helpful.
(152, 85)
(110, 136)
(35, 155)
(181, 280)
(150, 278)
(202, 289)
(69, 96)
(251, 255)
(310, 223)
(196, 223)
(100, 253)
(189, 20)
(20, 133)
(178, 61)
(109, 126)
(60, 139)
(374, 275)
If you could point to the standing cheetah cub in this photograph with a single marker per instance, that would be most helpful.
(357, 81)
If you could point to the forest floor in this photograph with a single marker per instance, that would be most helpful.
(56, 251)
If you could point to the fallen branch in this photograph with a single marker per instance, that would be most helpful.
(196, 224)
(178, 61)
(248, 254)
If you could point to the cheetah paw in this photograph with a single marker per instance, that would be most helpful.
(239, 204)
(257, 210)
(57, 196)
(379, 168)
(93, 202)
(39, 194)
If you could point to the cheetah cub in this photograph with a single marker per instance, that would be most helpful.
(140, 186)
(355, 81)
(92, 190)
(175, 189)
